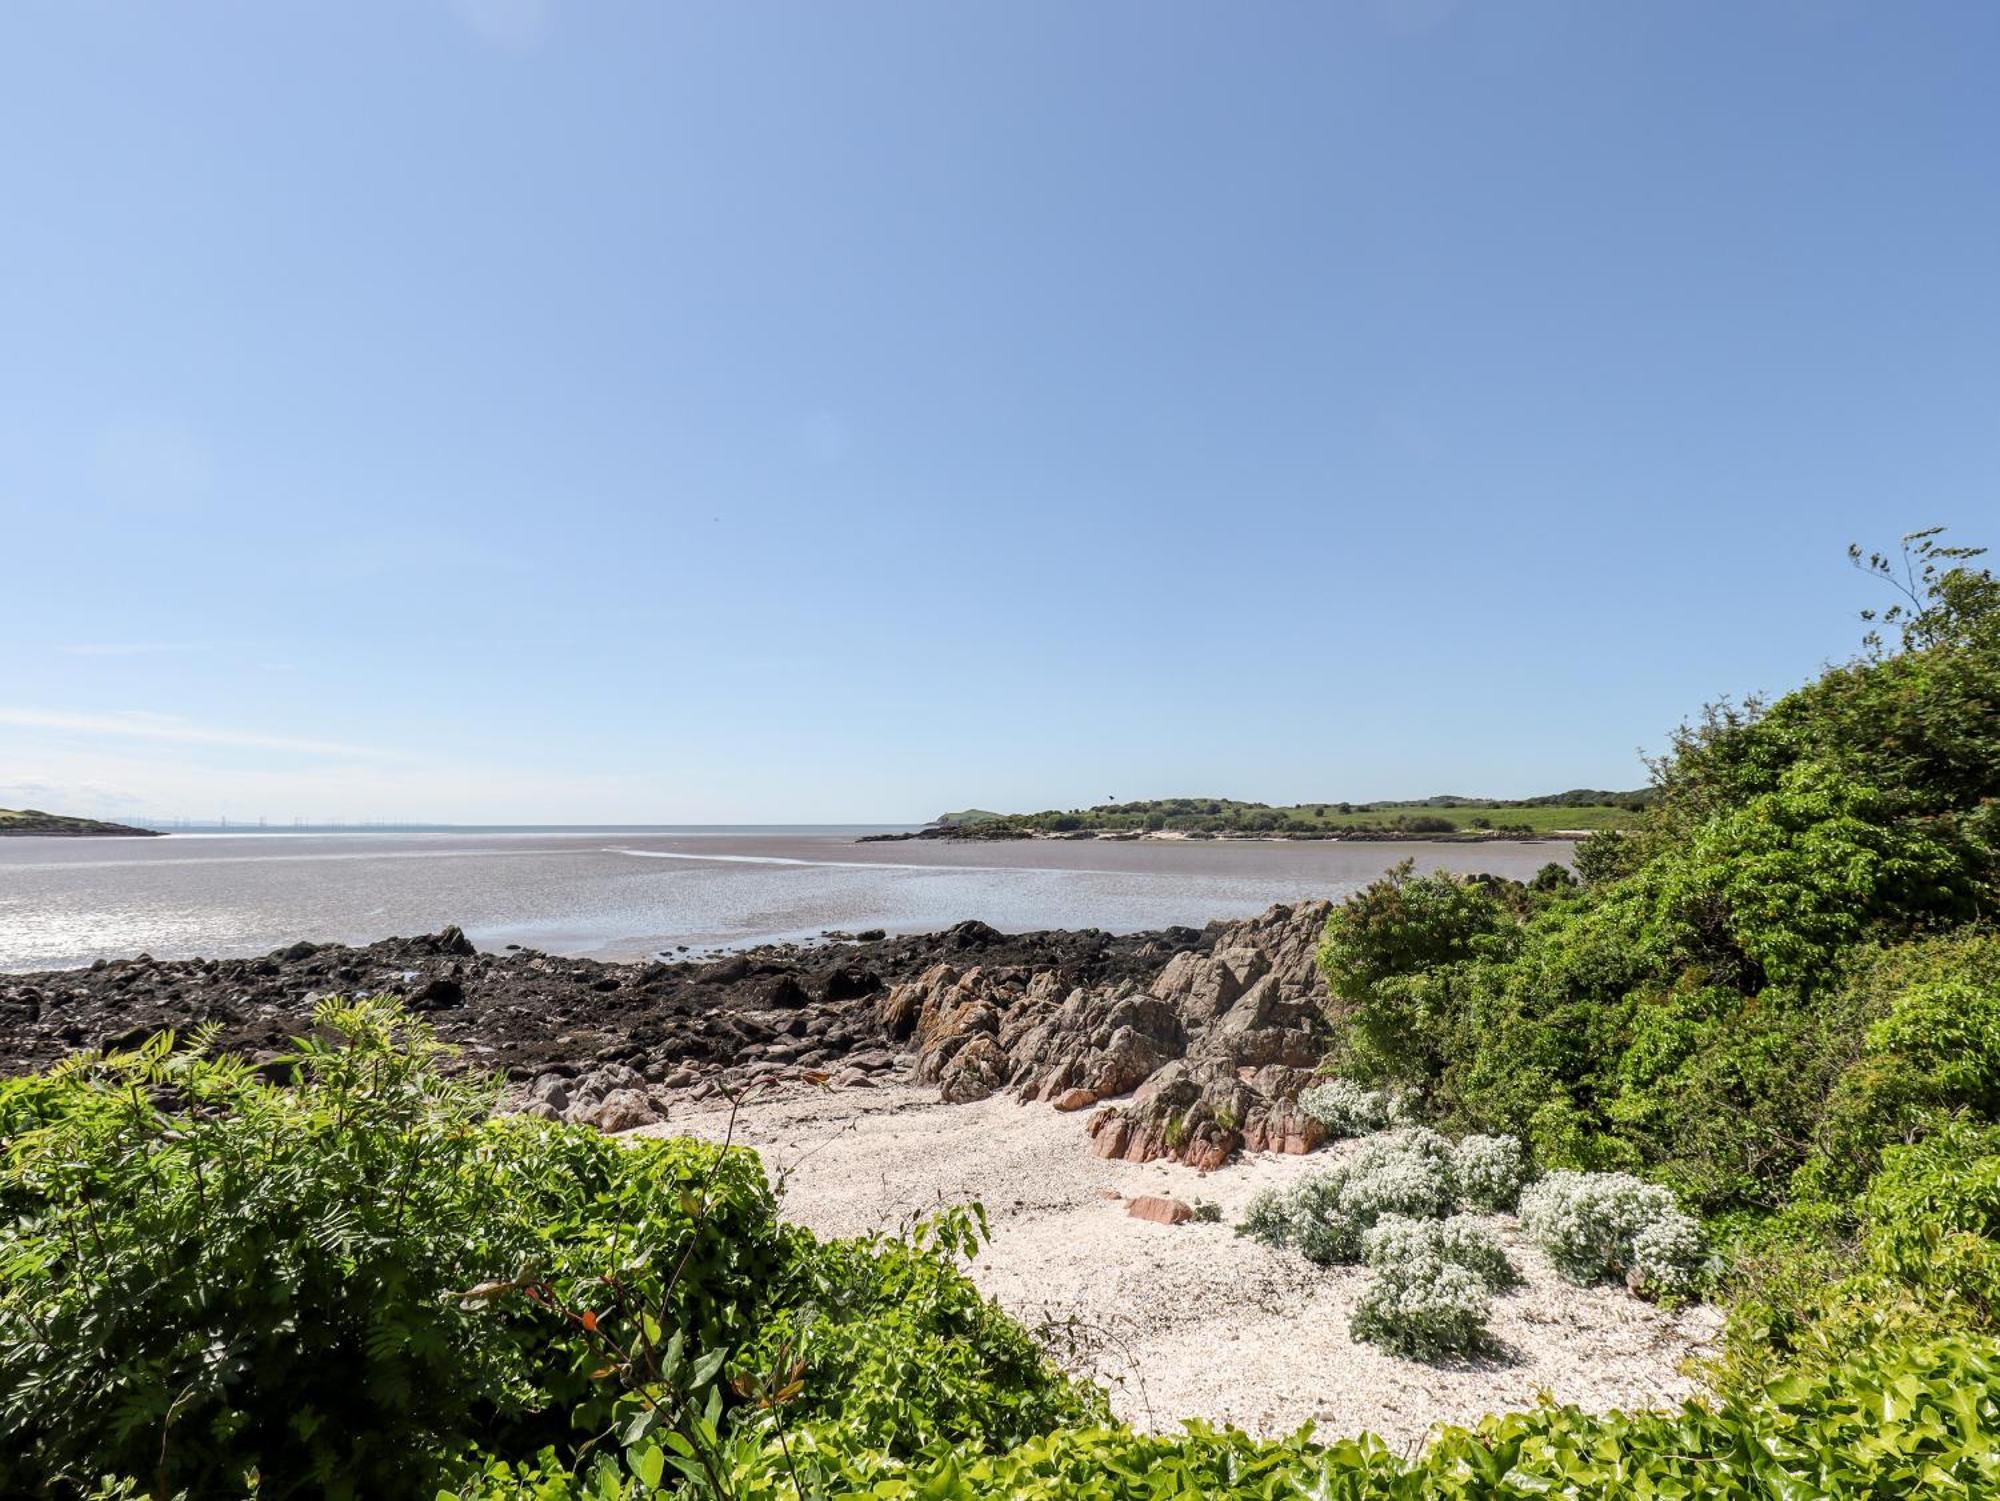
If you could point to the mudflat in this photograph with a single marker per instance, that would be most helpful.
(626, 894)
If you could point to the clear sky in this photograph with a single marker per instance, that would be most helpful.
(495, 410)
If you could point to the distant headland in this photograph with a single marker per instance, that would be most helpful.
(34, 821)
(1557, 815)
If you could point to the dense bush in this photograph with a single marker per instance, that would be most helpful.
(1490, 1170)
(1774, 996)
(1931, 1218)
(269, 1266)
(1388, 956)
(1599, 1226)
(1693, 1010)
(348, 1285)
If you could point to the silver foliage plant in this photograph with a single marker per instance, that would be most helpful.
(1490, 1170)
(1391, 1204)
(1345, 1108)
(1598, 1227)
(1460, 1240)
(1406, 1172)
(1423, 1306)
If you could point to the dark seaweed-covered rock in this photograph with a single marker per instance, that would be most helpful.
(528, 1015)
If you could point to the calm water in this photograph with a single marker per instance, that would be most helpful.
(613, 893)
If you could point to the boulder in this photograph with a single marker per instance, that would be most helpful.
(1108, 1043)
(1161, 1211)
(783, 992)
(620, 1110)
(453, 941)
(438, 993)
(551, 1090)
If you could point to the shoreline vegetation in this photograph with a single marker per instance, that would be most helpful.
(1745, 1054)
(24, 821)
(1569, 815)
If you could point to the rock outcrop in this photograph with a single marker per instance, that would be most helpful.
(1200, 1038)
(1213, 1051)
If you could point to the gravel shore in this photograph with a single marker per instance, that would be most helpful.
(1189, 1321)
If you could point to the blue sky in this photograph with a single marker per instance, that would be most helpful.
(509, 410)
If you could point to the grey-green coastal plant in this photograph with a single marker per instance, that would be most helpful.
(1420, 1305)
(1345, 1108)
(1600, 1226)
(1323, 1217)
(1460, 1240)
(1490, 1170)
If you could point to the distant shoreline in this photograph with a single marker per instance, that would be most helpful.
(1441, 818)
(24, 823)
(970, 834)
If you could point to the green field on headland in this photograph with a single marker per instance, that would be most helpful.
(1580, 811)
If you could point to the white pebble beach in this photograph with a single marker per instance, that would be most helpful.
(1191, 1321)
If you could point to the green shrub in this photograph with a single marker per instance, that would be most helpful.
(273, 1267)
(1931, 1219)
(1691, 1011)
(1382, 947)
(1914, 1421)
(1779, 885)
(1910, 1033)
(346, 1285)
(898, 1351)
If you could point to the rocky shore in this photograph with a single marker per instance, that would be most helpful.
(1184, 1044)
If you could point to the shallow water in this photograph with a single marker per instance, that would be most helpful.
(627, 893)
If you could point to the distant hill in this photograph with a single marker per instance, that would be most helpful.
(35, 821)
(965, 817)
